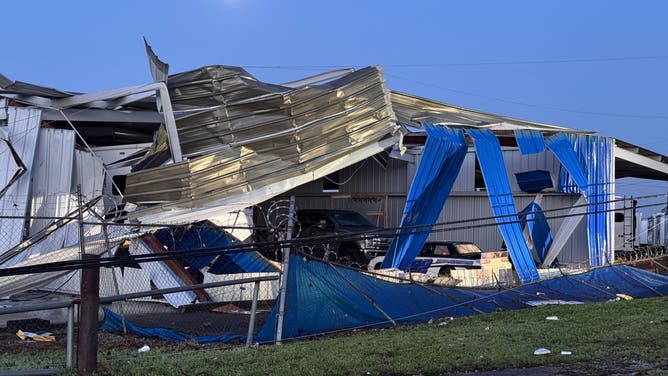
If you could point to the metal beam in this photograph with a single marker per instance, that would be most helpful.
(641, 161)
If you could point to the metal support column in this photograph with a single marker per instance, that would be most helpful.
(284, 276)
(251, 324)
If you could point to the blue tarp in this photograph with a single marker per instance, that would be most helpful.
(440, 164)
(501, 198)
(533, 217)
(588, 163)
(323, 298)
(207, 235)
(529, 141)
(114, 323)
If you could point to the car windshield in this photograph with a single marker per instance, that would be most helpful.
(351, 220)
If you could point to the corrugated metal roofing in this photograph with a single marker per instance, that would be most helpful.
(267, 139)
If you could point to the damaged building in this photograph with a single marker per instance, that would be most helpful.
(201, 149)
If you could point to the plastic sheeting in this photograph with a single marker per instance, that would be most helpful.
(440, 164)
(323, 298)
(529, 141)
(534, 219)
(501, 198)
(206, 235)
(588, 161)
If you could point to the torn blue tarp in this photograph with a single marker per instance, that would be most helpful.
(324, 298)
(529, 141)
(207, 235)
(440, 164)
(534, 219)
(501, 198)
(588, 164)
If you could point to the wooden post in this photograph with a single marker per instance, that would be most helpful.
(88, 325)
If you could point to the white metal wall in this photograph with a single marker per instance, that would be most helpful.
(22, 129)
(52, 177)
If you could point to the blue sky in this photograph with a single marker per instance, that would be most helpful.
(505, 57)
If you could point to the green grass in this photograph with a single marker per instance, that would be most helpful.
(603, 337)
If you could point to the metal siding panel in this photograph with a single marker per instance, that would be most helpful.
(89, 173)
(465, 181)
(23, 127)
(52, 177)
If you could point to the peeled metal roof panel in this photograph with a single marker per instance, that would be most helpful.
(412, 110)
(256, 142)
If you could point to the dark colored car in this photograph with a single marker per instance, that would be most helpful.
(365, 243)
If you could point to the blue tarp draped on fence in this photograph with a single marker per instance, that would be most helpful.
(207, 235)
(440, 164)
(529, 141)
(493, 169)
(588, 162)
(323, 298)
(532, 216)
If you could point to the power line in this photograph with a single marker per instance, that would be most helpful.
(474, 64)
(510, 101)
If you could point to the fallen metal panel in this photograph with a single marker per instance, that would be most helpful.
(51, 177)
(18, 283)
(23, 126)
(161, 275)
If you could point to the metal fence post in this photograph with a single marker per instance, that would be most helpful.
(251, 324)
(70, 336)
(284, 276)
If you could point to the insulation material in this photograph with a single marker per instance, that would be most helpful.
(52, 177)
(22, 132)
(438, 169)
(501, 198)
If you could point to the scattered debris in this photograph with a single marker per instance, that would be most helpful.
(566, 353)
(542, 351)
(624, 296)
(552, 318)
(536, 303)
(144, 348)
(41, 337)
